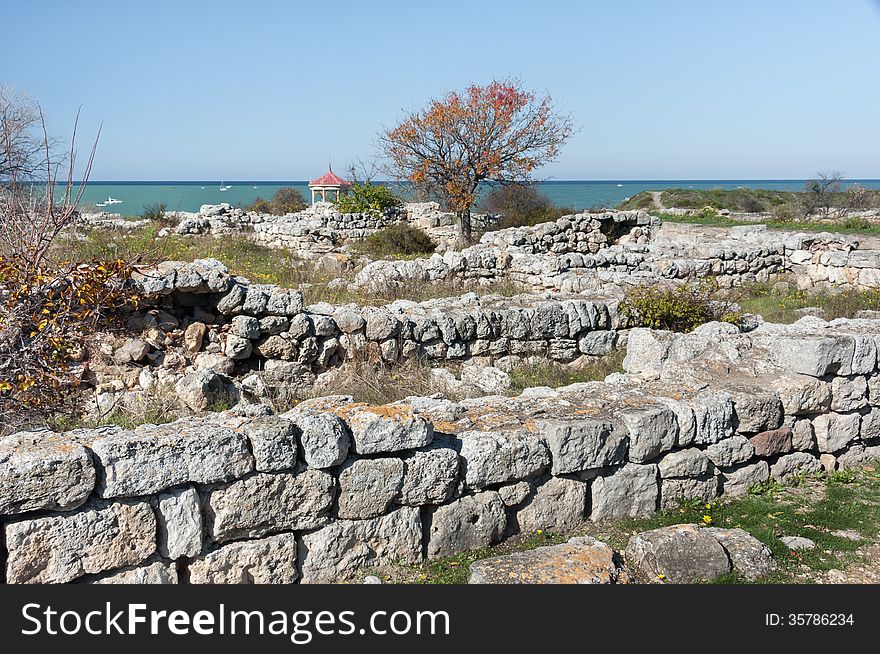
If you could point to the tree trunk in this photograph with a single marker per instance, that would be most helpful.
(465, 232)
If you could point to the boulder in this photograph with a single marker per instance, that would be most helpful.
(739, 479)
(834, 431)
(430, 475)
(677, 554)
(793, 464)
(388, 428)
(676, 490)
(246, 327)
(772, 442)
(200, 389)
(691, 462)
(750, 558)
(133, 350)
(730, 451)
(237, 347)
(194, 336)
(158, 572)
(324, 439)
(557, 505)
(273, 443)
(583, 443)
(652, 430)
(155, 457)
(180, 523)
(488, 379)
(582, 560)
(630, 491)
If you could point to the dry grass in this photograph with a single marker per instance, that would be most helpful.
(261, 265)
(782, 303)
(376, 383)
(555, 375)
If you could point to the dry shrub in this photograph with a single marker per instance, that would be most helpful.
(49, 307)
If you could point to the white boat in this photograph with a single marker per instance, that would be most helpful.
(223, 186)
(109, 200)
(619, 185)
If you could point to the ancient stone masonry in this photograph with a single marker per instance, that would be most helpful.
(608, 252)
(316, 231)
(201, 328)
(323, 491)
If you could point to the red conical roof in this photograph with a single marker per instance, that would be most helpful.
(329, 179)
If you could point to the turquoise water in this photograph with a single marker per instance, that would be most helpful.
(189, 196)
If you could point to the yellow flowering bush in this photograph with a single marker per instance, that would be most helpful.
(676, 308)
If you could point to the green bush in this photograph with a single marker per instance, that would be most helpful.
(367, 198)
(157, 212)
(287, 200)
(260, 205)
(398, 240)
(679, 308)
(521, 205)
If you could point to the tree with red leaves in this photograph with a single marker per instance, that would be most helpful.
(498, 133)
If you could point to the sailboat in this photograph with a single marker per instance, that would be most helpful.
(223, 186)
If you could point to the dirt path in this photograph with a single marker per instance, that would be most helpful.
(655, 196)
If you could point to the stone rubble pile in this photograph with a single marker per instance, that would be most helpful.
(332, 487)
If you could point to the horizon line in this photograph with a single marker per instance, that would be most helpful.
(543, 181)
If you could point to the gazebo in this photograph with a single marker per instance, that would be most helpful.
(329, 181)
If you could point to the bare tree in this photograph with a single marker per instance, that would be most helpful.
(820, 193)
(362, 172)
(21, 155)
(49, 305)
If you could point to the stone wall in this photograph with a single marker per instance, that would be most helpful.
(316, 231)
(332, 487)
(608, 252)
(201, 328)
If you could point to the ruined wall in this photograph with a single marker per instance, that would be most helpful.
(608, 252)
(331, 487)
(311, 233)
(201, 326)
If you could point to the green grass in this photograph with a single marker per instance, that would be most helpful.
(456, 569)
(744, 200)
(782, 305)
(810, 506)
(736, 200)
(847, 226)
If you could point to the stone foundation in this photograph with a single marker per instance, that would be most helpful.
(324, 491)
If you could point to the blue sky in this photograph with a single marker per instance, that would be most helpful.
(690, 89)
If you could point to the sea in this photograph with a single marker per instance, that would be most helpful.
(134, 196)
